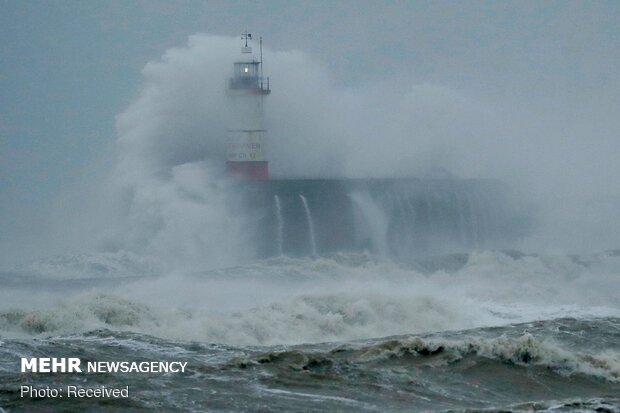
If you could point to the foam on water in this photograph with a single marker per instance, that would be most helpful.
(91, 266)
(520, 350)
(309, 300)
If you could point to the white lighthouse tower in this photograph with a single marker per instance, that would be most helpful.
(246, 139)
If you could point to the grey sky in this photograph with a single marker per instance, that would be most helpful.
(68, 67)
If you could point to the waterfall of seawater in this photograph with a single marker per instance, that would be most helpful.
(310, 224)
(394, 218)
(280, 223)
(375, 220)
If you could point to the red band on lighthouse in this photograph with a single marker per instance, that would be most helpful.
(248, 170)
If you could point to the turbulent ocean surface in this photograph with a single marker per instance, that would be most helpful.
(490, 331)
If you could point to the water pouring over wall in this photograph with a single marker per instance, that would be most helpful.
(403, 218)
(312, 237)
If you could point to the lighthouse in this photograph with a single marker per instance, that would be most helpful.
(247, 88)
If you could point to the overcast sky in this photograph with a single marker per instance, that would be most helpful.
(68, 67)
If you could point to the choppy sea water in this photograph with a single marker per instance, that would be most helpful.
(492, 331)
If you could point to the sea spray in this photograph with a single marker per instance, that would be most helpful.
(296, 300)
(375, 219)
(280, 225)
(311, 235)
(442, 333)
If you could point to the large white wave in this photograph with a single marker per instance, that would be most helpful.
(171, 144)
(288, 301)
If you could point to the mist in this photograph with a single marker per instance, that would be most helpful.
(442, 193)
(158, 189)
(316, 126)
(559, 163)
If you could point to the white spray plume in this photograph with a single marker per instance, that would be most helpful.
(172, 142)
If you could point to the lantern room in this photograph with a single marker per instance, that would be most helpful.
(245, 75)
